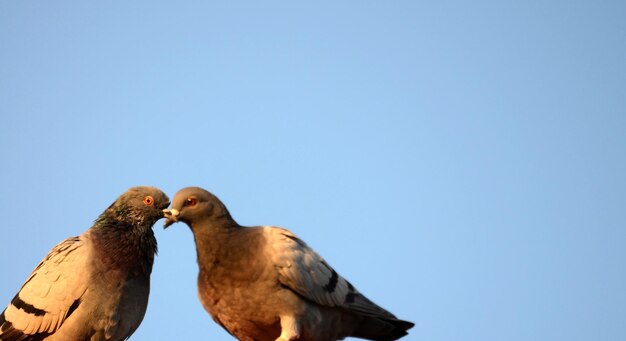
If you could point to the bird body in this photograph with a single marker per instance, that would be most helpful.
(94, 286)
(264, 283)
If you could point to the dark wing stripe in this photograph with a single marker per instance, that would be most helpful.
(9, 333)
(72, 308)
(350, 298)
(332, 283)
(19, 304)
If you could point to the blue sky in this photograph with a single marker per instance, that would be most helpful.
(463, 164)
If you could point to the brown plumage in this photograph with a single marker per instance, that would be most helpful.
(264, 283)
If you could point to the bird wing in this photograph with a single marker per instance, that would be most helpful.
(304, 271)
(49, 296)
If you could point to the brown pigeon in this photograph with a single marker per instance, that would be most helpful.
(264, 283)
(94, 286)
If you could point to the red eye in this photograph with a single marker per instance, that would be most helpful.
(148, 200)
(191, 202)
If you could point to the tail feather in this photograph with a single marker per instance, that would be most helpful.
(373, 322)
(381, 328)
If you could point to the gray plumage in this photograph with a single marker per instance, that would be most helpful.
(264, 283)
(94, 286)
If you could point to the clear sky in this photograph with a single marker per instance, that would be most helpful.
(462, 163)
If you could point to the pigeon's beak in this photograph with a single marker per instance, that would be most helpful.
(170, 216)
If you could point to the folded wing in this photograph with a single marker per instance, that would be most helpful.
(304, 271)
(49, 296)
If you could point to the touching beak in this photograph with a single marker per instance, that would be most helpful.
(170, 216)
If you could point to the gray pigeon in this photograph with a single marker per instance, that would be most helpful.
(264, 283)
(94, 286)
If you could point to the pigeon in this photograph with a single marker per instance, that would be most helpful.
(264, 283)
(94, 286)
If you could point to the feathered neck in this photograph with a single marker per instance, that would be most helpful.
(124, 241)
(211, 237)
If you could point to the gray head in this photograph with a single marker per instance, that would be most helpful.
(194, 204)
(140, 205)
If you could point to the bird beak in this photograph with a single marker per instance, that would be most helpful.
(171, 216)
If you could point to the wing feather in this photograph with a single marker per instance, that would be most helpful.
(50, 293)
(305, 272)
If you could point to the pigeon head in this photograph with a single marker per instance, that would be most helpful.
(139, 206)
(194, 204)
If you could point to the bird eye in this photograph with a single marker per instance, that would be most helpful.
(148, 200)
(191, 202)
